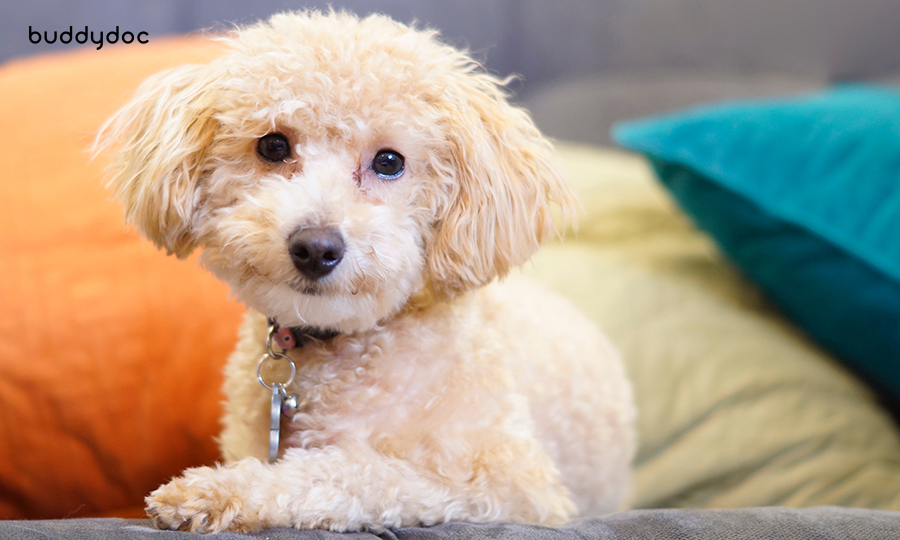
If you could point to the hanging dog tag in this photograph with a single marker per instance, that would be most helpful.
(275, 422)
(282, 403)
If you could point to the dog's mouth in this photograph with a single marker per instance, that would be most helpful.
(327, 288)
(309, 289)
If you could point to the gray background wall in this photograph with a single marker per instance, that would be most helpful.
(584, 64)
(545, 40)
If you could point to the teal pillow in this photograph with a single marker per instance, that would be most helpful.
(804, 195)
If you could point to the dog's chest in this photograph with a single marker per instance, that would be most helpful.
(359, 389)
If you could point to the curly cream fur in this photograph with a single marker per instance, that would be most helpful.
(447, 395)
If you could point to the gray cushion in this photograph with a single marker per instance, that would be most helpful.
(584, 110)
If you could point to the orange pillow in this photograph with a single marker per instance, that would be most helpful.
(110, 352)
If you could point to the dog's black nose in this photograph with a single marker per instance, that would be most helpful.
(316, 251)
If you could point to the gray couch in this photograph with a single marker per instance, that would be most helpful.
(825, 523)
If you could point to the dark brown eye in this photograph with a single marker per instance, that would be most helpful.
(273, 147)
(388, 164)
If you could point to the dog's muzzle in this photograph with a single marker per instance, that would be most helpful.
(316, 251)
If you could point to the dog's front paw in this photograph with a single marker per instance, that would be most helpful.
(205, 500)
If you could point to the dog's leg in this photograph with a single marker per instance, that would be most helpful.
(331, 488)
(245, 423)
(336, 488)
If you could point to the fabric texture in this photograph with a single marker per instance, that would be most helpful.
(744, 524)
(804, 194)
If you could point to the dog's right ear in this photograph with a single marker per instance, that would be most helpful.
(161, 140)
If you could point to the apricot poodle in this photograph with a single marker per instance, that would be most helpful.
(362, 188)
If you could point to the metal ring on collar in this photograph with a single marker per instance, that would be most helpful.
(284, 384)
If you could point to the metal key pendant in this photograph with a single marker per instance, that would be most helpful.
(275, 422)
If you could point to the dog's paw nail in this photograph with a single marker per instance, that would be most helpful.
(157, 521)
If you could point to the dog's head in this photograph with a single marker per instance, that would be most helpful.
(331, 168)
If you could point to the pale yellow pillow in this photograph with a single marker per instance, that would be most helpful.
(736, 406)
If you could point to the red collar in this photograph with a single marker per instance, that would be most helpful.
(290, 337)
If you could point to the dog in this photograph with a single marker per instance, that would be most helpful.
(362, 187)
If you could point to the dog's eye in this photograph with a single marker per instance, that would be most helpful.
(273, 147)
(388, 164)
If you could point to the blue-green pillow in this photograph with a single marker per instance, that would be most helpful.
(804, 195)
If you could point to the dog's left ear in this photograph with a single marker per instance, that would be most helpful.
(504, 181)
